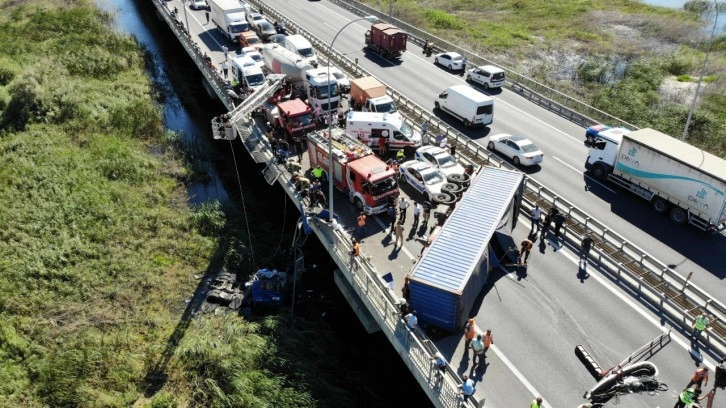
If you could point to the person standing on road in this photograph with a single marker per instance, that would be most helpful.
(382, 146)
(546, 224)
(392, 216)
(399, 234)
(416, 214)
(686, 399)
(524, 252)
(411, 320)
(206, 13)
(478, 346)
(225, 69)
(699, 325)
(488, 341)
(536, 403)
(586, 246)
(469, 333)
(559, 220)
(225, 50)
(354, 253)
(402, 207)
(440, 362)
(466, 387)
(424, 128)
(536, 218)
(362, 224)
(700, 378)
(426, 212)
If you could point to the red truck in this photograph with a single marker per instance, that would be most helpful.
(367, 180)
(295, 116)
(387, 40)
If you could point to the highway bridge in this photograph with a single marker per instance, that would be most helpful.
(634, 290)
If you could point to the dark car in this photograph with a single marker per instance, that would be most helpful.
(278, 39)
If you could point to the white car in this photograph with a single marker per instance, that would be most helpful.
(487, 76)
(423, 177)
(341, 79)
(450, 60)
(253, 18)
(199, 5)
(254, 55)
(440, 159)
(518, 148)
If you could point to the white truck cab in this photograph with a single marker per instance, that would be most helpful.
(369, 127)
(604, 150)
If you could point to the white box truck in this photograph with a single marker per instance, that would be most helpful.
(678, 179)
(229, 17)
(466, 104)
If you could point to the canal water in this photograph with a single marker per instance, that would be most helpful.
(370, 368)
(679, 4)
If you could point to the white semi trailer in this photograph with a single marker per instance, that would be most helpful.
(678, 179)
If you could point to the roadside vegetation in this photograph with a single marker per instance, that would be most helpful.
(636, 62)
(99, 247)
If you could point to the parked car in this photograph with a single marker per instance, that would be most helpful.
(342, 79)
(255, 55)
(199, 5)
(278, 39)
(264, 30)
(439, 158)
(252, 18)
(487, 76)
(518, 148)
(423, 177)
(449, 60)
(249, 39)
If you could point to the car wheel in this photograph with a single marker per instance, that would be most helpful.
(436, 106)
(660, 205)
(486, 85)
(436, 61)
(443, 198)
(468, 78)
(467, 123)
(515, 159)
(452, 188)
(358, 204)
(490, 145)
(679, 215)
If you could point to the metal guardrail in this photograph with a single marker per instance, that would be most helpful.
(624, 261)
(660, 285)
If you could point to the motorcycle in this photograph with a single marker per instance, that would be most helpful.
(428, 48)
(280, 28)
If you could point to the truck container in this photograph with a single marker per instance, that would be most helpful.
(369, 94)
(368, 182)
(678, 179)
(229, 17)
(280, 60)
(447, 280)
(386, 40)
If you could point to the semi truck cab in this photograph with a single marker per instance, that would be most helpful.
(603, 152)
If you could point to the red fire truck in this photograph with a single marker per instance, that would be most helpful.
(367, 180)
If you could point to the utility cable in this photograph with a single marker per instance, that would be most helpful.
(244, 208)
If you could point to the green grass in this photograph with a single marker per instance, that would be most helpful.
(98, 247)
(603, 35)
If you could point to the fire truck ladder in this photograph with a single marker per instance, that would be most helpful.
(341, 141)
(273, 82)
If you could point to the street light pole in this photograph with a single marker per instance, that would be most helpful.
(331, 175)
(700, 77)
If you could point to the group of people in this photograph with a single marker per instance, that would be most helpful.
(397, 214)
(691, 395)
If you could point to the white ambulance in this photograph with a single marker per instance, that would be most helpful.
(369, 127)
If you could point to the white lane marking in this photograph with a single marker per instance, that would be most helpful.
(517, 373)
(675, 336)
(589, 178)
(328, 25)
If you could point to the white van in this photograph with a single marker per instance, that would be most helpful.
(248, 73)
(369, 127)
(467, 104)
(487, 76)
(302, 47)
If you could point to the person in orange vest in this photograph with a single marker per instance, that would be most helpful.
(488, 341)
(382, 146)
(469, 333)
(354, 253)
(700, 377)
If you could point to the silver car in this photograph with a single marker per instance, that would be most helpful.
(518, 148)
